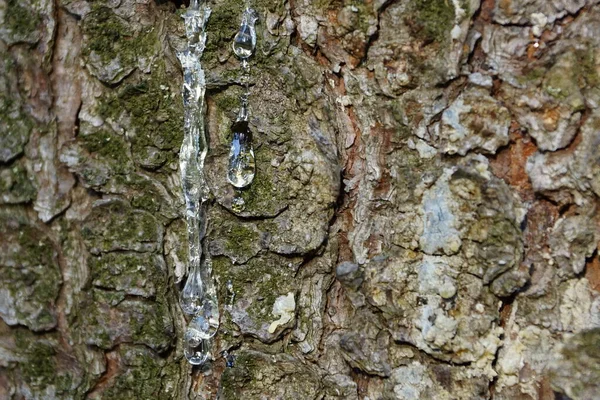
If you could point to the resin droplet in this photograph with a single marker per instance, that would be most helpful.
(191, 296)
(244, 41)
(202, 326)
(237, 204)
(195, 352)
(241, 170)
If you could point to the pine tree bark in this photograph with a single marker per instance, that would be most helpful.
(428, 174)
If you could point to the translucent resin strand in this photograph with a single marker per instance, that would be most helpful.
(242, 168)
(199, 290)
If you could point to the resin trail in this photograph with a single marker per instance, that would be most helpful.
(198, 297)
(241, 168)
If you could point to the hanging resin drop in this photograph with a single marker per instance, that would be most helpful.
(205, 324)
(244, 41)
(241, 168)
(192, 293)
(241, 157)
(238, 204)
(196, 352)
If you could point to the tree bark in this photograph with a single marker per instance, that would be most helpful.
(428, 174)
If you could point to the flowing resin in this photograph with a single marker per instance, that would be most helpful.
(205, 324)
(241, 168)
(196, 353)
(244, 41)
(199, 290)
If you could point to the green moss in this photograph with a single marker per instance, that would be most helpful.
(589, 69)
(562, 81)
(559, 85)
(15, 125)
(156, 116)
(135, 273)
(107, 34)
(105, 29)
(366, 15)
(147, 201)
(156, 329)
(325, 5)
(240, 239)
(261, 194)
(266, 277)
(533, 75)
(109, 317)
(261, 188)
(139, 377)
(16, 184)
(228, 100)
(32, 268)
(234, 380)
(410, 168)
(222, 25)
(21, 21)
(434, 19)
(110, 36)
(115, 226)
(586, 342)
(109, 147)
(277, 6)
(39, 365)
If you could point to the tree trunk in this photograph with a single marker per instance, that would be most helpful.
(428, 174)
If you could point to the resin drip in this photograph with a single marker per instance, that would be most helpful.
(241, 154)
(198, 297)
(241, 168)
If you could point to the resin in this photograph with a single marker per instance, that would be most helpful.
(198, 296)
(205, 324)
(238, 204)
(192, 293)
(241, 168)
(196, 352)
(244, 41)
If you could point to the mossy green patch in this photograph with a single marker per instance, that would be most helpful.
(30, 271)
(155, 116)
(255, 373)
(41, 366)
(262, 195)
(589, 68)
(235, 379)
(239, 239)
(108, 147)
(139, 377)
(325, 5)
(133, 273)
(156, 329)
(273, 6)
(21, 21)
(409, 170)
(564, 80)
(15, 127)
(222, 25)
(533, 75)
(109, 317)
(111, 37)
(15, 185)
(106, 31)
(434, 19)
(115, 226)
(262, 278)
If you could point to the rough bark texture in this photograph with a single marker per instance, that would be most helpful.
(427, 192)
